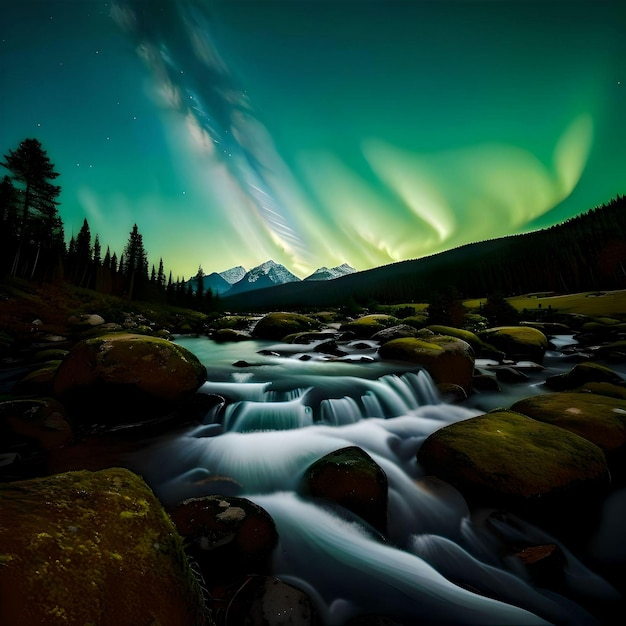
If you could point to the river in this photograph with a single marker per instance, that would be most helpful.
(287, 405)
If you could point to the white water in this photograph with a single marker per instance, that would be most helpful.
(282, 414)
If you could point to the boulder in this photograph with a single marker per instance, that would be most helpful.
(466, 335)
(228, 536)
(583, 373)
(517, 342)
(504, 459)
(39, 382)
(606, 389)
(599, 419)
(110, 378)
(32, 432)
(394, 332)
(364, 327)
(352, 479)
(269, 601)
(224, 335)
(278, 325)
(447, 359)
(92, 548)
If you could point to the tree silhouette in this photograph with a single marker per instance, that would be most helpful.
(135, 264)
(37, 223)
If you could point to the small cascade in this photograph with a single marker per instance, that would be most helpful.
(237, 390)
(256, 416)
(340, 411)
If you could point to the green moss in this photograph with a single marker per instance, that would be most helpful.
(89, 545)
(510, 453)
(599, 419)
(278, 325)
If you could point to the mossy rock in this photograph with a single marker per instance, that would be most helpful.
(50, 354)
(549, 328)
(39, 382)
(114, 376)
(605, 389)
(583, 373)
(505, 459)
(225, 335)
(364, 327)
(395, 332)
(447, 359)
(278, 325)
(92, 548)
(517, 342)
(352, 479)
(599, 419)
(417, 321)
(478, 345)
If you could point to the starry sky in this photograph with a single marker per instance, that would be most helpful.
(317, 132)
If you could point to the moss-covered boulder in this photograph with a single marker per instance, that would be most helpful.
(517, 342)
(606, 389)
(229, 537)
(92, 548)
(364, 327)
(478, 345)
(599, 419)
(583, 373)
(352, 479)
(225, 335)
(447, 359)
(278, 325)
(120, 375)
(505, 459)
(395, 332)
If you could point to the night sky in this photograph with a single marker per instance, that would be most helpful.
(317, 132)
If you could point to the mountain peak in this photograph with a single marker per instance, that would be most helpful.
(267, 274)
(325, 273)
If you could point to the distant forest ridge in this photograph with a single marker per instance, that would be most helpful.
(584, 253)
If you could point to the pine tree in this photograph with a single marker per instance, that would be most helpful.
(135, 267)
(38, 225)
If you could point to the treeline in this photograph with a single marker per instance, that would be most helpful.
(584, 253)
(32, 240)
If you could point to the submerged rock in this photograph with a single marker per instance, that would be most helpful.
(92, 548)
(352, 479)
(505, 459)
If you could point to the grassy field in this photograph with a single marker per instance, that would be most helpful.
(592, 303)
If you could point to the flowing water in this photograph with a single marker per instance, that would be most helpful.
(289, 406)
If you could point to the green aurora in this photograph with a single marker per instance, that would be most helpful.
(317, 132)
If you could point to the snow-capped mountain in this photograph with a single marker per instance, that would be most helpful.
(233, 275)
(268, 274)
(325, 273)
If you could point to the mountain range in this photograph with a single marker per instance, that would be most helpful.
(585, 253)
(237, 280)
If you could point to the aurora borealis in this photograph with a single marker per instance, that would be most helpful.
(317, 132)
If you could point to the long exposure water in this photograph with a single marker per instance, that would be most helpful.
(285, 406)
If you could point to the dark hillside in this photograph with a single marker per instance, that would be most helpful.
(584, 253)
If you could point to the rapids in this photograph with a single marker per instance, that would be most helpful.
(438, 563)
